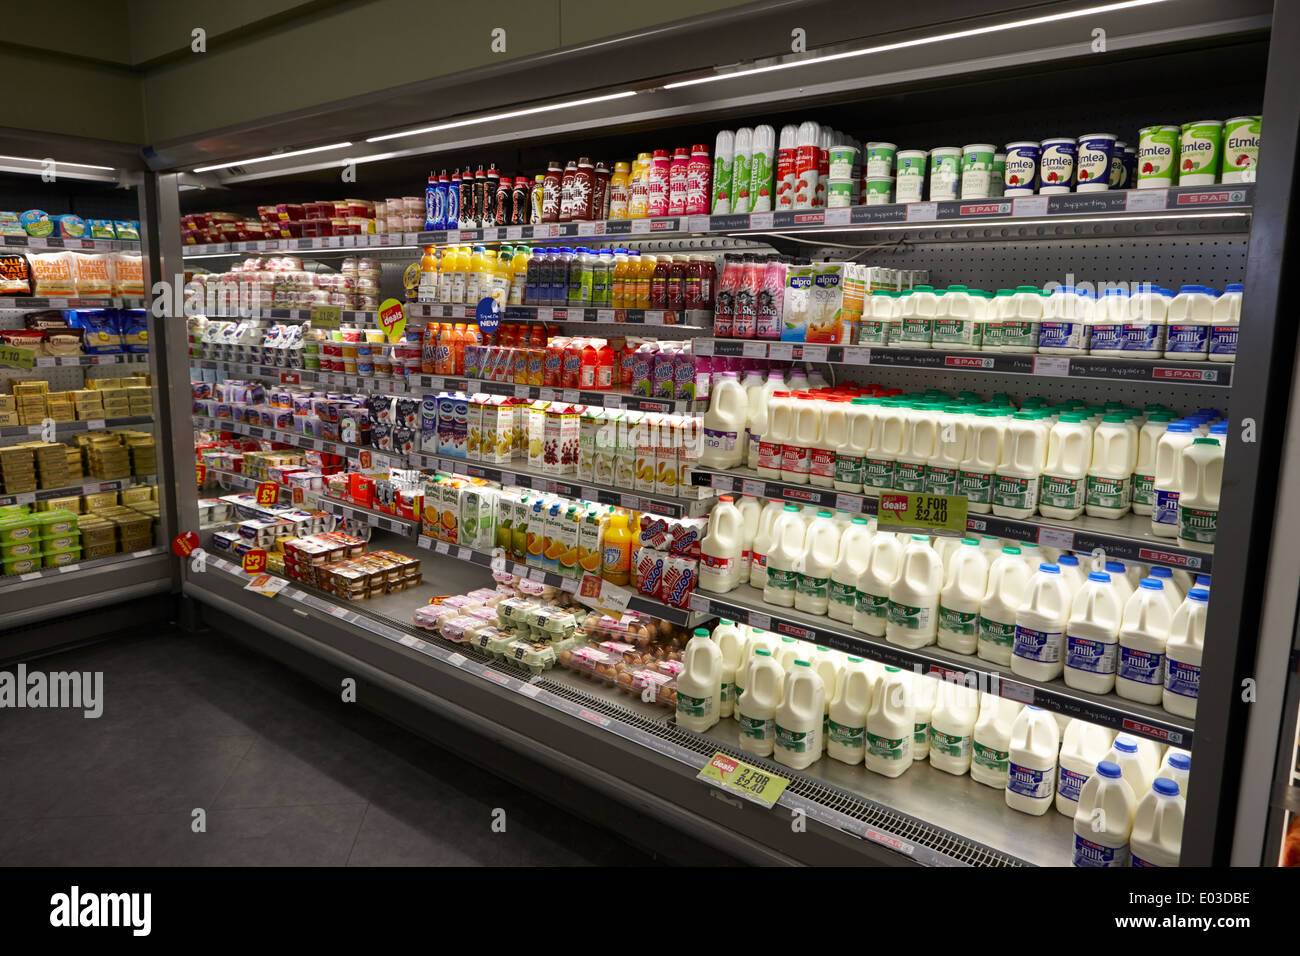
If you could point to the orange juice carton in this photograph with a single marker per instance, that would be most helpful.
(536, 530)
(554, 534)
(570, 531)
(591, 540)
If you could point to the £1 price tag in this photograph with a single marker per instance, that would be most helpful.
(268, 493)
(255, 561)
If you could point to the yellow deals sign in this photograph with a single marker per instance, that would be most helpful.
(907, 510)
(744, 780)
(326, 316)
(392, 319)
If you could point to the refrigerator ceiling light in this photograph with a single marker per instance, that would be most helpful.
(57, 162)
(272, 156)
(512, 114)
(920, 41)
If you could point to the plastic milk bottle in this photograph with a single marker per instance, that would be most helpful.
(1183, 654)
(1157, 836)
(786, 549)
(991, 746)
(1143, 633)
(699, 685)
(764, 686)
(847, 728)
(1005, 592)
(890, 725)
(914, 596)
(1039, 649)
(884, 561)
(952, 727)
(1104, 819)
(1092, 635)
(1083, 745)
(849, 564)
(799, 717)
(959, 601)
(1031, 762)
(730, 642)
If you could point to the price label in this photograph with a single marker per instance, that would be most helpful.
(604, 315)
(514, 232)
(697, 223)
(200, 474)
(1146, 200)
(589, 228)
(1029, 206)
(857, 355)
(839, 216)
(442, 547)
(268, 493)
(922, 211)
(613, 401)
(744, 780)
(1057, 538)
(814, 353)
(781, 352)
(754, 349)
(267, 585)
(569, 585)
(326, 316)
(699, 603)
(764, 220)
(498, 564)
(424, 541)
(522, 391)
(760, 620)
(900, 511)
(721, 482)
(640, 226)
(538, 575)
(755, 487)
(850, 503)
(255, 561)
(1051, 365)
(703, 347)
(184, 544)
(464, 554)
(614, 597)
(571, 396)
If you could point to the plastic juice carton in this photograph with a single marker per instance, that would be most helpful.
(535, 433)
(605, 449)
(477, 512)
(631, 425)
(497, 438)
(591, 539)
(570, 531)
(560, 432)
(590, 424)
(666, 450)
(647, 442)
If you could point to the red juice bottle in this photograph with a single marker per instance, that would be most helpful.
(675, 298)
(659, 283)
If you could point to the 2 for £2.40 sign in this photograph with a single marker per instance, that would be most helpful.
(742, 779)
(904, 510)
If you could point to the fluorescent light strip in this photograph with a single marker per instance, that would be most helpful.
(920, 41)
(531, 111)
(57, 162)
(273, 156)
(994, 223)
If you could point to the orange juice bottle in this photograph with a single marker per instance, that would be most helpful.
(618, 279)
(429, 274)
(444, 354)
(460, 337)
(645, 271)
(616, 562)
(518, 275)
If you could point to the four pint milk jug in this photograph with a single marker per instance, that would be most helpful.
(1031, 762)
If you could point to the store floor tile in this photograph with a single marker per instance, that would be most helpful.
(285, 775)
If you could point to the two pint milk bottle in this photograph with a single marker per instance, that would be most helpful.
(1143, 633)
(1103, 820)
(891, 725)
(720, 551)
(731, 643)
(1031, 762)
(1039, 649)
(1157, 835)
(786, 549)
(757, 704)
(699, 685)
(1092, 635)
(1083, 746)
(1183, 654)
(914, 596)
(799, 717)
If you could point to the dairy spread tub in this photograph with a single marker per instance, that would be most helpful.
(13, 530)
(24, 565)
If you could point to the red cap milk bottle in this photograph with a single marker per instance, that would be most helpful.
(758, 396)
(1103, 820)
(778, 430)
(1031, 762)
(796, 453)
(721, 547)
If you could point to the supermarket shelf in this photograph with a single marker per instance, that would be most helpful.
(83, 361)
(16, 582)
(55, 242)
(360, 317)
(356, 453)
(1144, 720)
(498, 562)
(72, 428)
(690, 319)
(569, 486)
(1127, 539)
(406, 527)
(1021, 215)
(1204, 374)
(93, 486)
(233, 479)
(41, 302)
(42, 596)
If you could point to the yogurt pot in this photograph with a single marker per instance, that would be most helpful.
(878, 191)
(1157, 157)
(1200, 151)
(1130, 167)
(1240, 149)
(839, 193)
(1056, 165)
(977, 170)
(997, 180)
(843, 159)
(911, 175)
(1118, 171)
(945, 172)
(880, 160)
(1092, 162)
(1020, 172)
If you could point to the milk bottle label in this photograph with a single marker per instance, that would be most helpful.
(976, 486)
(1024, 334)
(920, 733)
(948, 744)
(782, 580)
(988, 758)
(872, 332)
(1166, 508)
(847, 736)
(1223, 339)
(795, 458)
(889, 748)
(912, 618)
(872, 605)
(795, 741)
(1143, 338)
(957, 622)
(719, 441)
(1108, 492)
(1070, 784)
(1183, 679)
(1087, 853)
(940, 481)
(952, 331)
(694, 706)
(822, 463)
(1108, 337)
(917, 330)
(1063, 335)
(995, 632)
(1144, 489)
(1012, 492)
(845, 594)
(1198, 524)
(1192, 339)
(1060, 492)
(769, 455)
(726, 692)
(1034, 645)
(813, 587)
(1141, 667)
(721, 566)
(757, 728)
(848, 469)
(1138, 861)
(878, 472)
(909, 476)
(1036, 784)
(1096, 657)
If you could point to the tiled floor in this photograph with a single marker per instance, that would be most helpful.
(284, 774)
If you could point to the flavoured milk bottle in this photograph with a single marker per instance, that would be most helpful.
(1169, 449)
(959, 601)
(1039, 649)
(991, 745)
(786, 548)
(1200, 474)
(884, 560)
(1083, 745)
(1114, 457)
(724, 424)
(778, 430)
(699, 685)
(820, 548)
(847, 728)
(1103, 820)
(890, 725)
(720, 551)
(1031, 762)
(1069, 452)
(914, 596)
(730, 642)
(1005, 592)
(763, 543)
(1143, 633)
(756, 706)
(925, 690)
(1157, 836)
(849, 564)
(1183, 654)
(952, 727)
(983, 452)
(1020, 468)
(1124, 752)
(799, 717)
(1092, 635)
